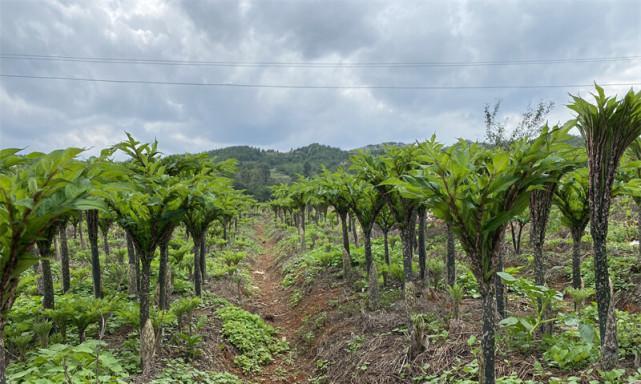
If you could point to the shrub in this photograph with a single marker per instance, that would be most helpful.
(255, 340)
(176, 371)
(88, 362)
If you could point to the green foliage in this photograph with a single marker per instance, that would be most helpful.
(571, 197)
(303, 268)
(88, 362)
(355, 343)
(255, 340)
(436, 270)
(42, 329)
(567, 351)
(175, 371)
(258, 169)
(629, 334)
(191, 344)
(183, 309)
(36, 191)
(80, 311)
(456, 293)
(479, 190)
(621, 267)
(580, 296)
(522, 329)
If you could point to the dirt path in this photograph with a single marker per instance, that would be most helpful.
(272, 302)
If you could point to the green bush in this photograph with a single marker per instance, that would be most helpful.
(568, 352)
(255, 340)
(176, 371)
(88, 362)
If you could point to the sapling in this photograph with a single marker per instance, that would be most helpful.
(579, 296)
(42, 328)
(456, 293)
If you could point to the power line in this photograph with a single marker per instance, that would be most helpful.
(312, 64)
(300, 86)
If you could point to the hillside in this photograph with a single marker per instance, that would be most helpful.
(258, 169)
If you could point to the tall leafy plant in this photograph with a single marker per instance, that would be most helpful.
(36, 190)
(571, 197)
(609, 126)
(148, 207)
(479, 191)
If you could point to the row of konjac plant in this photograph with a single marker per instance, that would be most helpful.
(147, 196)
(478, 191)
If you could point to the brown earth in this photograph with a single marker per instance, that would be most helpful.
(272, 302)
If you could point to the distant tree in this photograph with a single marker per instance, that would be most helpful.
(516, 228)
(571, 197)
(529, 126)
(382, 171)
(385, 221)
(307, 169)
(335, 190)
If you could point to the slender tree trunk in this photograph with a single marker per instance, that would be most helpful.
(47, 280)
(45, 251)
(487, 363)
(603, 294)
(601, 175)
(422, 255)
(37, 270)
(354, 230)
(516, 236)
(55, 247)
(203, 256)
(105, 241)
(540, 205)
(387, 259)
(451, 257)
(163, 302)
(576, 257)
(146, 354)
(197, 273)
(145, 281)
(499, 286)
(92, 230)
(64, 258)
(370, 265)
(347, 258)
(302, 228)
(407, 235)
(133, 267)
(82, 239)
(225, 234)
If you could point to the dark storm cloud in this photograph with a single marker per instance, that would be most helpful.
(47, 114)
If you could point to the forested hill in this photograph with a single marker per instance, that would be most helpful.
(259, 168)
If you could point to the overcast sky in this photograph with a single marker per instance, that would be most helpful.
(46, 114)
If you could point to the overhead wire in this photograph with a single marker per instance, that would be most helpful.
(310, 86)
(312, 64)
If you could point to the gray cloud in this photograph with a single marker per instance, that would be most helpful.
(45, 114)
